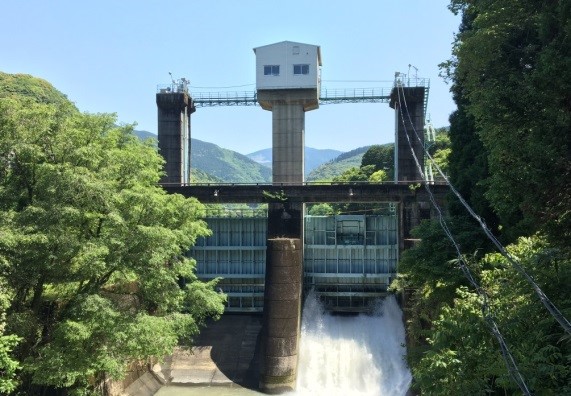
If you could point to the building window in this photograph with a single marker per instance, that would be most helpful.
(296, 49)
(300, 69)
(271, 70)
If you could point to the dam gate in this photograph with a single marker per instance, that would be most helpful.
(348, 260)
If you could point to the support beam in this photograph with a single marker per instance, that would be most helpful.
(307, 193)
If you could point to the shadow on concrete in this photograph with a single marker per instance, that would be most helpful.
(234, 343)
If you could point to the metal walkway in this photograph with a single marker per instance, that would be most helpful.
(327, 96)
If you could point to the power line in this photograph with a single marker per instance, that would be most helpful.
(229, 86)
(553, 310)
(486, 309)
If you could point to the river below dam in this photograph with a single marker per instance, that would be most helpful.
(349, 355)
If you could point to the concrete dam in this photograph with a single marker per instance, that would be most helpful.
(268, 259)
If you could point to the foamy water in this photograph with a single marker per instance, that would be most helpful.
(340, 355)
(352, 355)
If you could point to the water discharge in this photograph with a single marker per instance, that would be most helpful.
(352, 355)
(360, 355)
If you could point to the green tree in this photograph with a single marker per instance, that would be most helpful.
(382, 157)
(321, 209)
(440, 150)
(94, 248)
(464, 358)
(514, 67)
(511, 79)
(8, 364)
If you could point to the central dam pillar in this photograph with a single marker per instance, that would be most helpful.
(287, 83)
(282, 319)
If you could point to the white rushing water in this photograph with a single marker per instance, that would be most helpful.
(359, 355)
(352, 355)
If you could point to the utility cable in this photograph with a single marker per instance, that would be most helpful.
(486, 309)
(230, 86)
(553, 310)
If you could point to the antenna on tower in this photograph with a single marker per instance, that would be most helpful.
(415, 71)
(172, 79)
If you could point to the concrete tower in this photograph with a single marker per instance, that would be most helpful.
(409, 99)
(174, 107)
(288, 84)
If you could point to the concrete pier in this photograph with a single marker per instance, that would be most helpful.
(411, 100)
(288, 107)
(282, 315)
(174, 109)
(288, 133)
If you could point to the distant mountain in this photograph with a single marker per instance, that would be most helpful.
(338, 165)
(262, 157)
(213, 164)
(313, 157)
(227, 165)
(199, 176)
(144, 134)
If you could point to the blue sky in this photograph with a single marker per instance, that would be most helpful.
(110, 55)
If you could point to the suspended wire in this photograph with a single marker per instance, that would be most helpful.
(230, 86)
(335, 81)
(486, 309)
(553, 310)
(359, 81)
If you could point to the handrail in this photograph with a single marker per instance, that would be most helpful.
(316, 183)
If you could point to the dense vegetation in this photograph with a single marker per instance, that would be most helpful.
(91, 249)
(376, 165)
(338, 165)
(510, 157)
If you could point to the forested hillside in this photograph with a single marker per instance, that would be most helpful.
(91, 248)
(338, 165)
(227, 165)
(213, 164)
(476, 324)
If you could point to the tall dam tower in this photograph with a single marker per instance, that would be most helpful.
(288, 85)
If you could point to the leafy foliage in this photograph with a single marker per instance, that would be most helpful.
(465, 359)
(508, 122)
(440, 150)
(513, 64)
(382, 157)
(8, 365)
(25, 86)
(92, 249)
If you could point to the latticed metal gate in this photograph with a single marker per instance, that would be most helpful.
(349, 260)
(236, 253)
